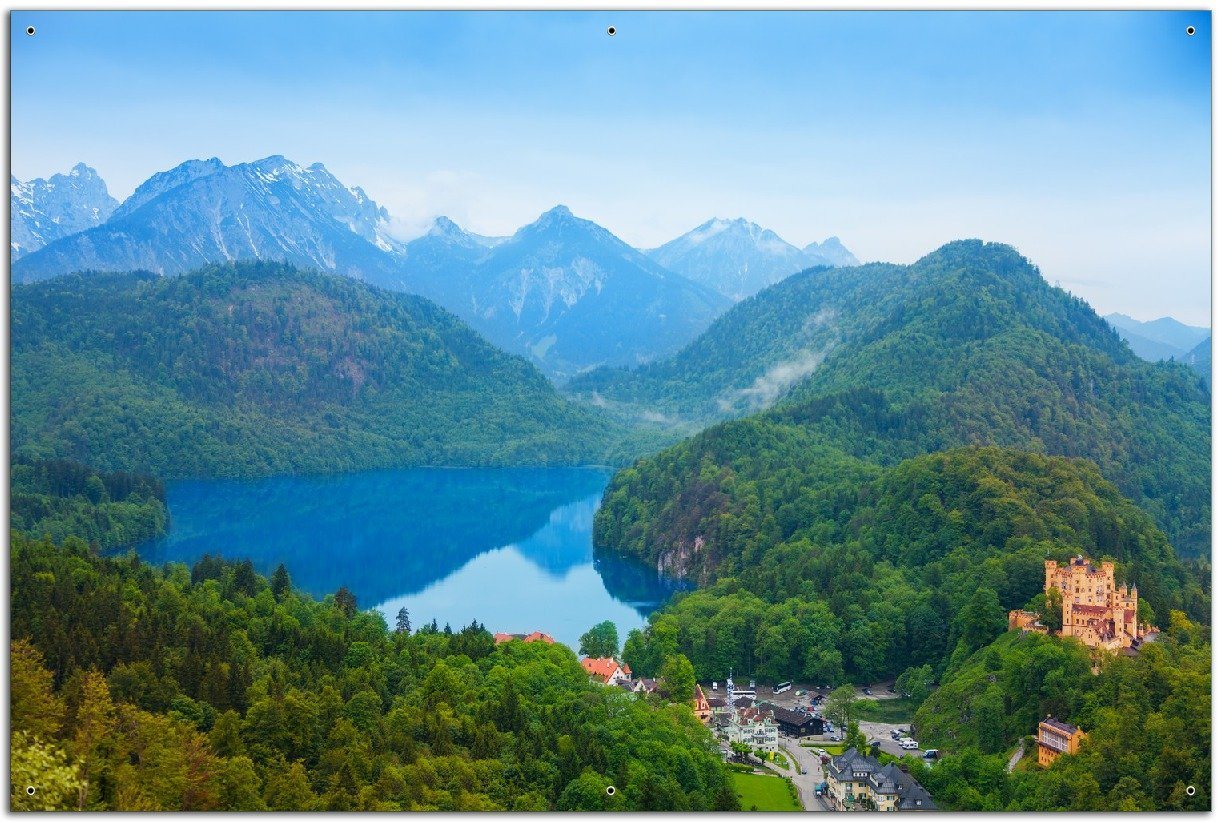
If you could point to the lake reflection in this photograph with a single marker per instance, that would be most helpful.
(511, 548)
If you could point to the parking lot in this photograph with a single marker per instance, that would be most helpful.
(880, 731)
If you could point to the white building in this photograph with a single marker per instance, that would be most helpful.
(755, 727)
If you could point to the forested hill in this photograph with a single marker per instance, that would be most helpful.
(967, 346)
(882, 546)
(259, 368)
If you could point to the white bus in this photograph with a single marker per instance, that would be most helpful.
(782, 687)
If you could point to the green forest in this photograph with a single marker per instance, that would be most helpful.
(831, 569)
(61, 498)
(256, 368)
(213, 688)
(1147, 717)
(967, 346)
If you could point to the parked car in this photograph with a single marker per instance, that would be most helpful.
(867, 692)
(895, 734)
(932, 754)
(821, 752)
(908, 744)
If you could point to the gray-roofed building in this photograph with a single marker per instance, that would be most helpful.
(855, 780)
(794, 723)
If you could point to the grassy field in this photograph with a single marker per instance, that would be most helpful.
(763, 793)
(897, 711)
(780, 759)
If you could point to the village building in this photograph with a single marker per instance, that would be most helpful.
(1093, 609)
(1056, 738)
(638, 686)
(856, 781)
(795, 723)
(606, 670)
(701, 706)
(755, 727)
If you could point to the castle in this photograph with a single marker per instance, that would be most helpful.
(1093, 609)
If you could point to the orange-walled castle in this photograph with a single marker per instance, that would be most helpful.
(1093, 609)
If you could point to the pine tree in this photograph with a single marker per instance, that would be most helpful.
(345, 600)
(281, 583)
(403, 622)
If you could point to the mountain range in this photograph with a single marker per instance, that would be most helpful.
(43, 211)
(1162, 339)
(563, 290)
(737, 258)
(203, 211)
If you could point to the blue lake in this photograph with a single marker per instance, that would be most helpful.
(511, 548)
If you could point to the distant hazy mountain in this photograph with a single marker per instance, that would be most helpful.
(830, 252)
(734, 257)
(204, 212)
(564, 291)
(1201, 359)
(1160, 339)
(737, 258)
(441, 264)
(45, 210)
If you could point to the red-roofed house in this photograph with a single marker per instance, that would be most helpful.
(700, 704)
(606, 670)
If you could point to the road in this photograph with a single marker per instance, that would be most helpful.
(1018, 754)
(805, 782)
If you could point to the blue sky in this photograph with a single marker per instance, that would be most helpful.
(1082, 139)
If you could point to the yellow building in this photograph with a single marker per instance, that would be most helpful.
(1056, 738)
(1093, 609)
(1027, 622)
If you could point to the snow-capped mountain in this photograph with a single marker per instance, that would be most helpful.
(45, 210)
(738, 258)
(204, 211)
(564, 291)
